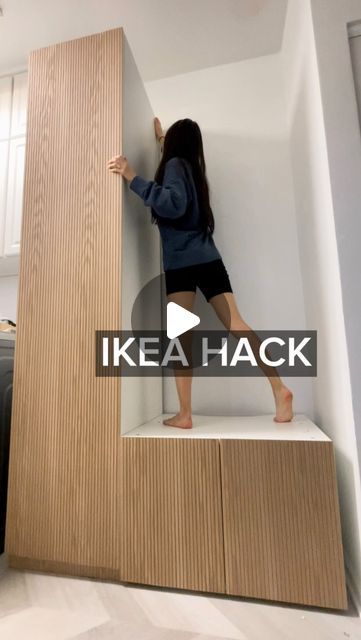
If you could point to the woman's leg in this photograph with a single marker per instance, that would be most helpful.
(226, 308)
(183, 418)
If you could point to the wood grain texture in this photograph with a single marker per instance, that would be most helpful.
(281, 522)
(63, 478)
(171, 513)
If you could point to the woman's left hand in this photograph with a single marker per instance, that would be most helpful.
(119, 164)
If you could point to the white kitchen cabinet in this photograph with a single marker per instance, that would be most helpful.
(5, 106)
(18, 114)
(13, 115)
(14, 200)
(4, 158)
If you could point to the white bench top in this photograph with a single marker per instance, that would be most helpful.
(238, 427)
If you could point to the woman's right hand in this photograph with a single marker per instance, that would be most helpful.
(158, 128)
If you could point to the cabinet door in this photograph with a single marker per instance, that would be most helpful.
(281, 522)
(5, 120)
(14, 202)
(18, 117)
(4, 154)
(171, 513)
(5, 106)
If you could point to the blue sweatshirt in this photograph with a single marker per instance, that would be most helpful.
(176, 204)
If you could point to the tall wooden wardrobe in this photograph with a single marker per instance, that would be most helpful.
(79, 271)
(253, 517)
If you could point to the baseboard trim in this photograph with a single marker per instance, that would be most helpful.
(62, 568)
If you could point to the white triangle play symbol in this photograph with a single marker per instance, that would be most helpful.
(179, 320)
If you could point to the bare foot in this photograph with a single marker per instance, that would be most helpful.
(283, 399)
(180, 421)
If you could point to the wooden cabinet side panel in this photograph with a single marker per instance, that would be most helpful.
(62, 497)
(140, 245)
(281, 522)
(171, 513)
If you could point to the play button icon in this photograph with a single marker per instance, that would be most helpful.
(179, 320)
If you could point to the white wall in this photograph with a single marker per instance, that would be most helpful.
(320, 146)
(344, 157)
(240, 110)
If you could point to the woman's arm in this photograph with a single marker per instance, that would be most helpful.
(159, 133)
(169, 200)
(161, 144)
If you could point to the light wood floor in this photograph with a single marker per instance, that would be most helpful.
(37, 606)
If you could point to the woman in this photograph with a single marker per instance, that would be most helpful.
(179, 201)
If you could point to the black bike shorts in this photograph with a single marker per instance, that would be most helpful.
(210, 277)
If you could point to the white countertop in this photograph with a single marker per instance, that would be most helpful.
(238, 427)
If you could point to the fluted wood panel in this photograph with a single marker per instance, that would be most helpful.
(281, 522)
(171, 513)
(63, 482)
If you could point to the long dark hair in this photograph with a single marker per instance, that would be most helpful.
(183, 139)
